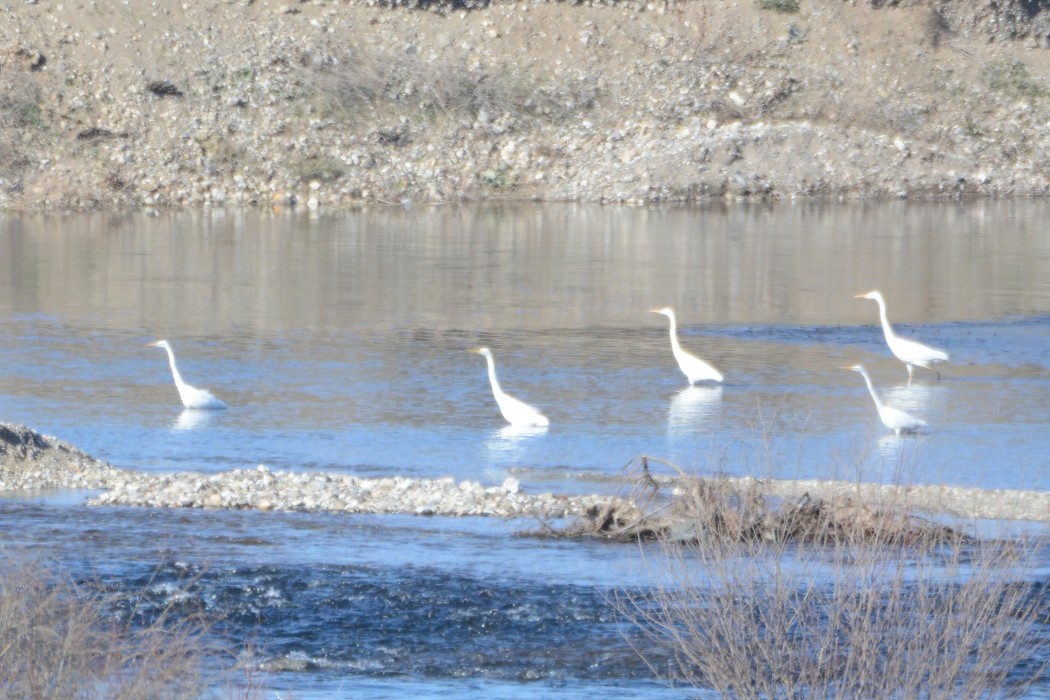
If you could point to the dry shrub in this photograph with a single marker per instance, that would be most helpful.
(755, 597)
(59, 640)
(19, 117)
(367, 78)
(687, 508)
(839, 601)
(755, 620)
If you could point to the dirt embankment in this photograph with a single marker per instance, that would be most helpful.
(132, 103)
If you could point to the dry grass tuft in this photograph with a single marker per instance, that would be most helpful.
(757, 599)
(856, 619)
(59, 639)
(369, 79)
(20, 116)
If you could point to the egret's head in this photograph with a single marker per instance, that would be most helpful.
(855, 368)
(666, 311)
(159, 344)
(482, 351)
(874, 294)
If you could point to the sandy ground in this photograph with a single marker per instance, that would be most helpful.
(128, 103)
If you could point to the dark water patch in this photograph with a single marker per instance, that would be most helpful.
(833, 335)
(415, 622)
(353, 622)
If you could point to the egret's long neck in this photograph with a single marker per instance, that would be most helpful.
(175, 370)
(675, 347)
(871, 390)
(492, 376)
(887, 329)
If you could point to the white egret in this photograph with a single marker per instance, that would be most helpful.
(192, 397)
(912, 353)
(893, 418)
(695, 369)
(518, 413)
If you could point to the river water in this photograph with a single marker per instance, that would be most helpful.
(340, 344)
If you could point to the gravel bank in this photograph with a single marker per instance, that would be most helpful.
(263, 489)
(341, 104)
(30, 461)
(934, 499)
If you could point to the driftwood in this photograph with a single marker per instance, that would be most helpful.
(684, 508)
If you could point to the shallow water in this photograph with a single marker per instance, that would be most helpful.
(340, 343)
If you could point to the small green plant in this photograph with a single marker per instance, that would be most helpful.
(796, 34)
(497, 179)
(973, 127)
(318, 167)
(782, 6)
(20, 103)
(20, 116)
(30, 115)
(1013, 79)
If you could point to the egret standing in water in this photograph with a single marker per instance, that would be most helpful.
(695, 369)
(518, 413)
(191, 396)
(893, 418)
(912, 353)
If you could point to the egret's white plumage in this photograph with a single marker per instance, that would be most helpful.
(695, 369)
(191, 396)
(518, 413)
(893, 418)
(912, 353)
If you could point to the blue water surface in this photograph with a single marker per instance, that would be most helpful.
(340, 344)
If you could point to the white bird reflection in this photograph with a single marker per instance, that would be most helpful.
(694, 405)
(898, 455)
(912, 398)
(191, 418)
(509, 440)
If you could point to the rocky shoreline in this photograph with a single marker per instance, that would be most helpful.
(330, 104)
(30, 461)
(263, 489)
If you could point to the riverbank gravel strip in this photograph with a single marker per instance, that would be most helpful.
(264, 489)
(30, 461)
(933, 499)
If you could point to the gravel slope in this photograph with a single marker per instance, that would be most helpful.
(108, 103)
